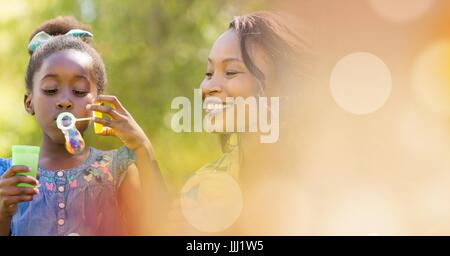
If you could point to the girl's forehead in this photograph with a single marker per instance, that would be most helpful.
(67, 60)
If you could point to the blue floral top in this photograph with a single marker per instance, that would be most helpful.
(77, 201)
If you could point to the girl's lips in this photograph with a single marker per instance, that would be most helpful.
(56, 117)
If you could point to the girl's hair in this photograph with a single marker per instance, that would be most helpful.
(288, 52)
(57, 28)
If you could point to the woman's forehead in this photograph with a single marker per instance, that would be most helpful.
(226, 46)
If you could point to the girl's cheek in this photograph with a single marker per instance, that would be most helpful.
(91, 97)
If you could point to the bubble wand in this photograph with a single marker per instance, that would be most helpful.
(66, 123)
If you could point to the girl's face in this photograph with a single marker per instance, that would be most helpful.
(228, 76)
(62, 84)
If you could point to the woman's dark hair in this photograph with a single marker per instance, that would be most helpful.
(291, 55)
(287, 51)
(57, 28)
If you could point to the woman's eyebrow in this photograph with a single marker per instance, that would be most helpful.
(226, 60)
(231, 60)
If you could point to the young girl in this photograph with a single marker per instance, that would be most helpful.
(94, 192)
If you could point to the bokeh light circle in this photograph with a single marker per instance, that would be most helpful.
(431, 78)
(360, 83)
(400, 10)
(211, 201)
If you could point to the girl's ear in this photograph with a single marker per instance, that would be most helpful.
(28, 103)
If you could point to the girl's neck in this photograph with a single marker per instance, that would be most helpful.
(54, 156)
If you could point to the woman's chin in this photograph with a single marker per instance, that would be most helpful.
(218, 122)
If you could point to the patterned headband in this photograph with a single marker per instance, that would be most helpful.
(42, 37)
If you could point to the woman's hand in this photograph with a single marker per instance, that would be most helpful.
(121, 125)
(10, 194)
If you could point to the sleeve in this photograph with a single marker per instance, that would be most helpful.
(4, 165)
(123, 158)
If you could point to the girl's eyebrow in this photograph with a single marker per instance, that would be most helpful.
(81, 77)
(50, 76)
(55, 76)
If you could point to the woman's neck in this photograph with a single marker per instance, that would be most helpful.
(54, 156)
(261, 161)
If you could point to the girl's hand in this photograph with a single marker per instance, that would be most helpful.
(121, 125)
(10, 194)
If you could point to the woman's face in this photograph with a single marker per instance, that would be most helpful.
(62, 84)
(228, 76)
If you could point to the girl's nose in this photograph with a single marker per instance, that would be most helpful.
(64, 104)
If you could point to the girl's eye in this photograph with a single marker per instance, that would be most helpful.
(209, 75)
(50, 92)
(80, 93)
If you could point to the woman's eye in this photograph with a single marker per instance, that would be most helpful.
(50, 92)
(209, 75)
(231, 73)
(80, 93)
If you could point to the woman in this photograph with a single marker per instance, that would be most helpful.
(258, 56)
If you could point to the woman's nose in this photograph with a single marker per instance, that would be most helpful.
(210, 88)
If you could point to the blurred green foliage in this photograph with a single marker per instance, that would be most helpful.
(153, 51)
